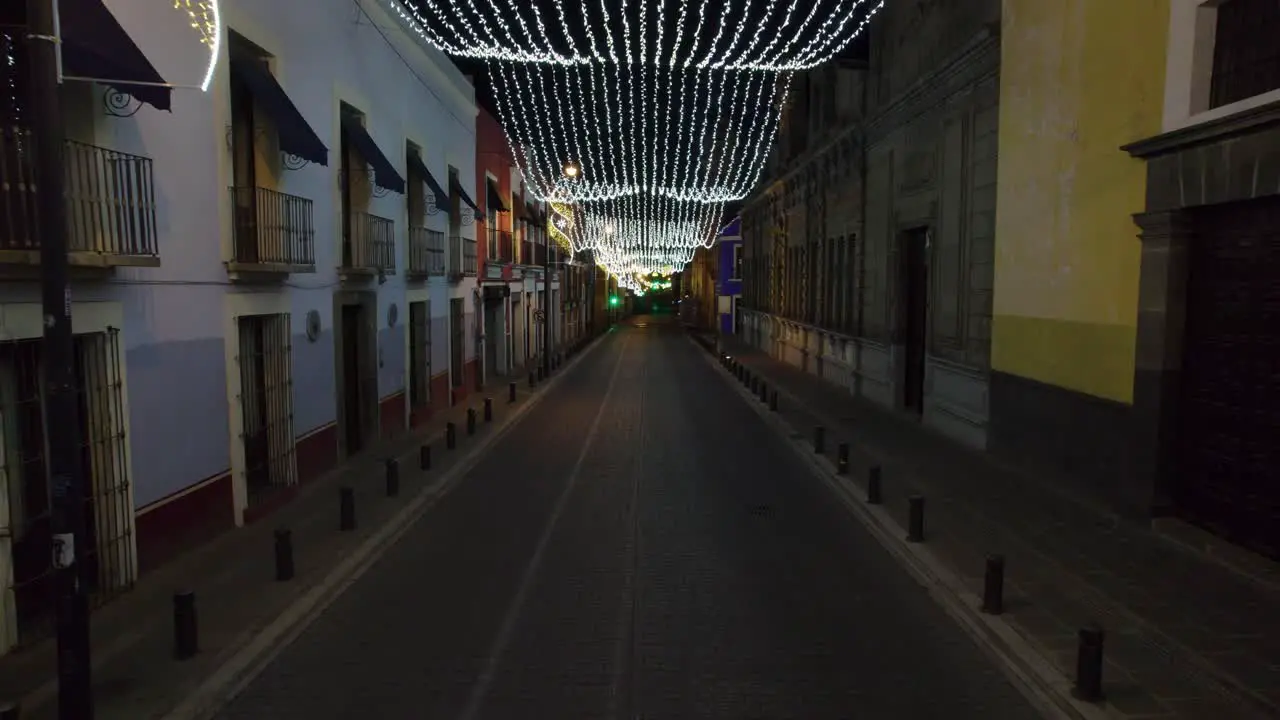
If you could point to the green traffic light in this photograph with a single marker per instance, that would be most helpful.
(613, 299)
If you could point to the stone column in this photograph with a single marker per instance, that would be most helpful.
(1162, 297)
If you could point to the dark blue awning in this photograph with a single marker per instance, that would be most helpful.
(494, 199)
(95, 46)
(457, 187)
(296, 136)
(441, 197)
(384, 173)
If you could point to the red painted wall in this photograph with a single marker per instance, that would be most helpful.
(493, 156)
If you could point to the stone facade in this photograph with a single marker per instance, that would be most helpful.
(910, 144)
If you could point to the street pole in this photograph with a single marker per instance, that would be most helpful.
(546, 312)
(61, 424)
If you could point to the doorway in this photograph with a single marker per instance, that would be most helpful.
(493, 335)
(915, 318)
(353, 371)
(457, 342)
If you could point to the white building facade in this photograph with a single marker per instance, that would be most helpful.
(270, 272)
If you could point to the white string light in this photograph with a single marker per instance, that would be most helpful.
(662, 122)
(500, 30)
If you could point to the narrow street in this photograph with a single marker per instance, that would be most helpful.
(640, 545)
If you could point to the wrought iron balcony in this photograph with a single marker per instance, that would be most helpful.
(426, 252)
(272, 232)
(462, 257)
(109, 204)
(500, 250)
(369, 246)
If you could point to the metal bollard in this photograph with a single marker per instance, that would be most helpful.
(471, 421)
(511, 392)
(424, 457)
(819, 439)
(773, 401)
(10, 711)
(915, 519)
(450, 436)
(993, 586)
(875, 496)
(186, 636)
(393, 477)
(284, 555)
(755, 385)
(542, 373)
(346, 509)
(764, 392)
(533, 379)
(1089, 664)
(842, 459)
(488, 409)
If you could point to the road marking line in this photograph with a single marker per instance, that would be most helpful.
(480, 690)
(234, 675)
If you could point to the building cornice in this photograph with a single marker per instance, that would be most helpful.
(1241, 123)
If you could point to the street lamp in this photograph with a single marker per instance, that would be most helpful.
(571, 170)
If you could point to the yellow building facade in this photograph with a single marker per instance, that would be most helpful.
(1078, 79)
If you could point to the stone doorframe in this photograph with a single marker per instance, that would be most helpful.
(1231, 159)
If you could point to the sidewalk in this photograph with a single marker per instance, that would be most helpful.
(237, 596)
(1186, 637)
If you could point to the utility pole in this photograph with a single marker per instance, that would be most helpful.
(61, 424)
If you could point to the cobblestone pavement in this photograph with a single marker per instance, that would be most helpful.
(1187, 638)
(642, 545)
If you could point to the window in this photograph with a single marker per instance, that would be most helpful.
(419, 354)
(108, 551)
(457, 341)
(266, 405)
(736, 273)
(1246, 52)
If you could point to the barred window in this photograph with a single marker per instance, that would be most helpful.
(1246, 52)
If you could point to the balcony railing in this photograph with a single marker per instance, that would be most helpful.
(500, 250)
(462, 256)
(426, 252)
(272, 230)
(370, 244)
(109, 204)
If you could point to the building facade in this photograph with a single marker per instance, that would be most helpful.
(1064, 324)
(1205, 396)
(869, 250)
(711, 284)
(728, 286)
(268, 275)
(1096, 310)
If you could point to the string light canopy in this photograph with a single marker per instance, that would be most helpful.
(685, 134)
(638, 120)
(770, 35)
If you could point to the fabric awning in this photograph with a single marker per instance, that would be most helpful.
(457, 187)
(95, 46)
(438, 192)
(384, 173)
(494, 200)
(296, 136)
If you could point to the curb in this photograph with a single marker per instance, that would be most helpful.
(245, 664)
(1028, 670)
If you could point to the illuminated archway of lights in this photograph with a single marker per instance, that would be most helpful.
(717, 34)
(665, 109)
(206, 19)
(684, 134)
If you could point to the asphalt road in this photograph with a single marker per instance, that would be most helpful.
(641, 545)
